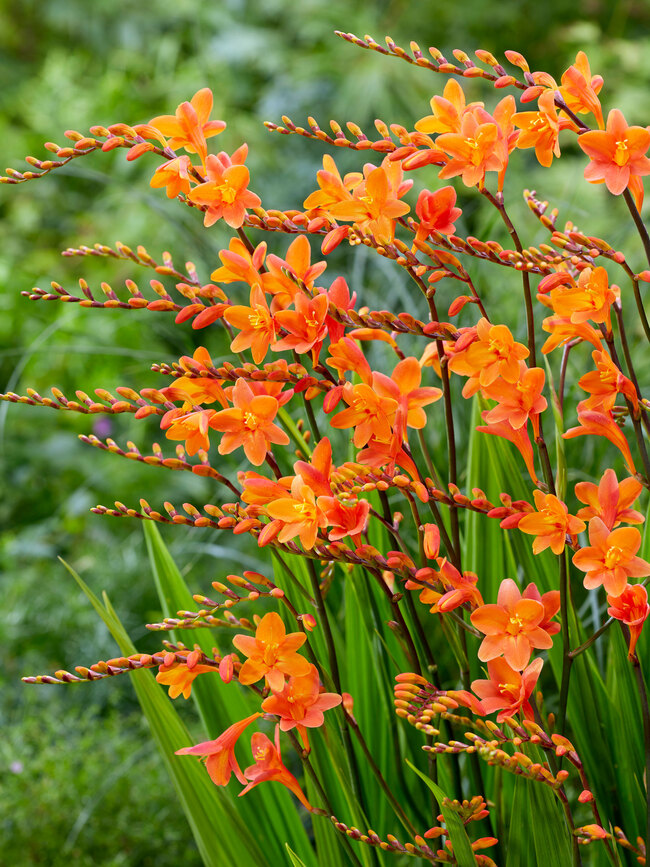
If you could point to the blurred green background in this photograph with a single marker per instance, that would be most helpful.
(81, 784)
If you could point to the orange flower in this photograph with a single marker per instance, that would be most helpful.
(507, 690)
(603, 425)
(610, 501)
(249, 424)
(345, 355)
(297, 514)
(271, 653)
(225, 194)
(174, 175)
(617, 154)
(305, 326)
(436, 212)
(220, 753)
(268, 767)
(494, 353)
(474, 150)
(297, 261)
(256, 326)
(374, 205)
(579, 89)
(189, 426)
(190, 127)
(333, 188)
(610, 559)
(551, 603)
(563, 330)
(550, 523)
(630, 607)
(605, 383)
(403, 385)
(301, 704)
(179, 677)
(511, 627)
(518, 401)
(447, 109)
(517, 436)
(591, 298)
(458, 588)
(540, 129)
(238, 263)
(369, 414)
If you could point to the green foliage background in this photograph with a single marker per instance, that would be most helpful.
(78, 764)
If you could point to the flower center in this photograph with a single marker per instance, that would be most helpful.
(613, 557)
(515, 625)
(227, 193)
(621, 154)
(251, 421)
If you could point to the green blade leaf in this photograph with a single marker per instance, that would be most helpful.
(206, 807)
(457, 834)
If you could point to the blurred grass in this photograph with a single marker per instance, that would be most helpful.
(65, 66)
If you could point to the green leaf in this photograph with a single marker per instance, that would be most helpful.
(537, 826)
(206, 807)
(457, 834)
(295, 860)
(220, 704)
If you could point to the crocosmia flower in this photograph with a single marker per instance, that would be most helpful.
(271, 653)
(507, 690)
(631, 608)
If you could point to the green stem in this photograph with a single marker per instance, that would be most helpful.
(567, 659)
(292, 429)
(401, 815)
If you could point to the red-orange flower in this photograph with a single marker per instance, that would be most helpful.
(220, 753)
(301, 704)
(550, 523)
(517, 436)
(511, 627)
(610, 500)
(190, 126)
(268, 767)
(603, 425)
(617, 153)
(610, 559)
(458, 589)
(271, 653)
(436, 212)
(507, 690)
(630, 607)
(225, 194)
(305, 326)
(249, 424)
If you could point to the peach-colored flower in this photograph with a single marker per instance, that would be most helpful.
(225, 194)
(493, 354)
(518, 401)
(511, 627)
(611, 558)
(301, 704)
(179, 677)
(604, 425)
(610, 500)
(257, 327)
(617, 153)
(540, 129)
(605, 384)
(249, 424)
(271, 653)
